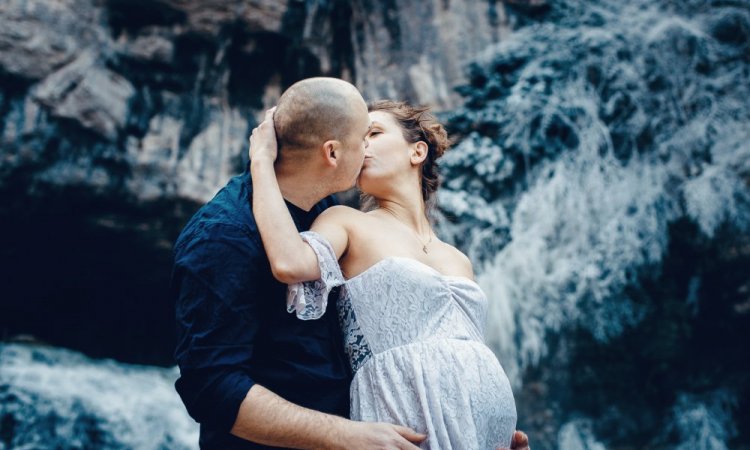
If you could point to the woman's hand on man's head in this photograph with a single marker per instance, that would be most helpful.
(263, 146)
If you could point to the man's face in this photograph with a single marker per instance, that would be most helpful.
(353, 152)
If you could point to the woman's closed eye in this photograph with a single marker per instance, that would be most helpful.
(375, 133)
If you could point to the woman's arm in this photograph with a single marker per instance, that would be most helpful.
(292, 260)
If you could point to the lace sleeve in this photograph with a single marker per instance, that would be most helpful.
(310, 298)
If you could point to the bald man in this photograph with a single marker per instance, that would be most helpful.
(253, 375)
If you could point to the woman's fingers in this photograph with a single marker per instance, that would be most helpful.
(262, 140)
(269, 114)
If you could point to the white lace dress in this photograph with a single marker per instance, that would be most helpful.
(414, 338)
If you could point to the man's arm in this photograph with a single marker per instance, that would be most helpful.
(268, 419)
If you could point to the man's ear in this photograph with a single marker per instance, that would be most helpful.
(330, 152)
(418, 153)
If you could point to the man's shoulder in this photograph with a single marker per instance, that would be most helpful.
(227, 216)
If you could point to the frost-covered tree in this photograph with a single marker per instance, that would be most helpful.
(584, 137)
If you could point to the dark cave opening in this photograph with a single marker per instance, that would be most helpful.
(91, 276)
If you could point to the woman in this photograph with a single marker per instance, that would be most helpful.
(411, 313)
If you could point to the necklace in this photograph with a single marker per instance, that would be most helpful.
(424, 244)
(419, 238)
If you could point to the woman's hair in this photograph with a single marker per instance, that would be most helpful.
(417, 124)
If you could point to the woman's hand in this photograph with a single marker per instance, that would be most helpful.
(263, 147)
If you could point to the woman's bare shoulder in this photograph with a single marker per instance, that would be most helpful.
(462, 263)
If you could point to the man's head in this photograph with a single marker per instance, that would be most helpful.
(323, 122)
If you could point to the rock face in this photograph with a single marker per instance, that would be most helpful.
(119, 117)
(95, 97)
(170, 88)
(39, 37)
(417, 50)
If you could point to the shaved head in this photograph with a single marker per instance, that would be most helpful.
(316, 110)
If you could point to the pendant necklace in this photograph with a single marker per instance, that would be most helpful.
(424, 244)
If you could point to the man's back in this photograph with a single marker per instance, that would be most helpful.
(232, 326)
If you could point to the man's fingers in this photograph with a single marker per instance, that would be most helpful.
(520, 440)
(410, 434)
(407, 446)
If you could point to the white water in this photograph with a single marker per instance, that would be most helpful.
(56, 398)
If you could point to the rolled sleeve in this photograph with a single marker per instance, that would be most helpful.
(213, 397)
(214, 284)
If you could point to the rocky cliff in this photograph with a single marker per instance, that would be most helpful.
(118, 118)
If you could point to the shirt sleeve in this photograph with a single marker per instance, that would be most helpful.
(216, 303)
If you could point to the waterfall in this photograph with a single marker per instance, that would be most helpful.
(56, 398)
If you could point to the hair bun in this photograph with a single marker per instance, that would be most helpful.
(437, 135)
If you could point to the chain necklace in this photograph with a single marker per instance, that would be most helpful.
(419, 238)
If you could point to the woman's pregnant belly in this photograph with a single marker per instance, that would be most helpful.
(453, 390)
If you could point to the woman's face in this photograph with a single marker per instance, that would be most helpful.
(387, 155)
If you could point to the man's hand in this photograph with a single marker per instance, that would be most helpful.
(263, 145)
(369, 435)
(266, 418)
(519, 442)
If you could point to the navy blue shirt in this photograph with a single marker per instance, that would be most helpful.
(232, 326)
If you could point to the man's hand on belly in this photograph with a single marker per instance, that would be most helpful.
(386, 436)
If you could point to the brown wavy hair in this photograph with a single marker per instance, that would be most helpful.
(417, 124)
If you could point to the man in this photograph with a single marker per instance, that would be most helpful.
(251, 374)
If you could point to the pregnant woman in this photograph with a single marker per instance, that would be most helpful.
(412, 316)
